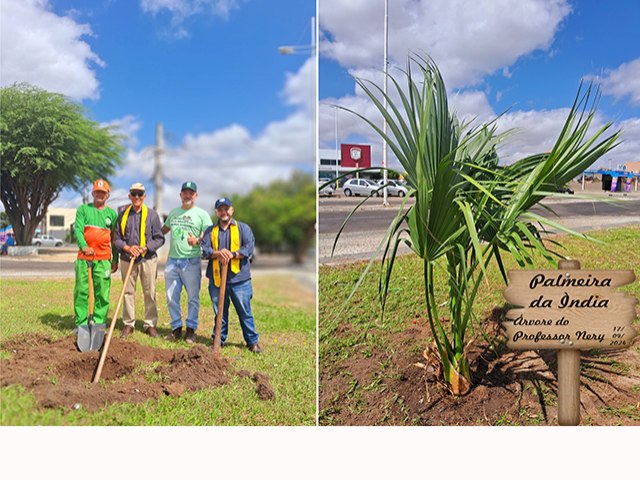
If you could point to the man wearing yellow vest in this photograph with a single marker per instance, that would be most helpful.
(231, 242)
(138, 236)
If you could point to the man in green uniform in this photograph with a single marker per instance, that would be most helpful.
(94, 227)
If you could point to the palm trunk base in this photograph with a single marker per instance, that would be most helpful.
(459, 382)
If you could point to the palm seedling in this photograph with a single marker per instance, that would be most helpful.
(468, 209)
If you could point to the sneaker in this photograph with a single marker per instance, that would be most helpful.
(175, 335)
(255, 348)
(126, 331)
(190, 336)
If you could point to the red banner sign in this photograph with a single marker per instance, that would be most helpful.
(355, 156)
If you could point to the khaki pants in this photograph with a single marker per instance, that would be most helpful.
(147, 271)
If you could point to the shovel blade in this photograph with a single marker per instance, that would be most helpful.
(84, 338)
(97, 336)
(91, 337)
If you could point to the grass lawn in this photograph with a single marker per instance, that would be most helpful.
(357, 329)
(285, 319)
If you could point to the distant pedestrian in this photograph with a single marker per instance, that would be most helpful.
(184, 265)
(231, 242)
(138, 236)
(10, 242)
(94, 226)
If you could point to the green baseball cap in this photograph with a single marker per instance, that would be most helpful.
(189, 186)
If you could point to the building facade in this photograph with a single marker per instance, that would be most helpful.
(58, 222)
(349, 157)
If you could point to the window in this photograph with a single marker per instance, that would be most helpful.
(56, 221)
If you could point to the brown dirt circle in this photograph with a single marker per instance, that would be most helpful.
(60, 376)
(510, 388)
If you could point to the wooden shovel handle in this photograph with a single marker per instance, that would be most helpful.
(218, 327)
(103, 354)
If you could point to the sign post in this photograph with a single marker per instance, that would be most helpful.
(569, 310)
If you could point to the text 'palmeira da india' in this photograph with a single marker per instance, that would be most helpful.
(569, 309)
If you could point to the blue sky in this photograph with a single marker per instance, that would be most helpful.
(235, 112)
(524, 57)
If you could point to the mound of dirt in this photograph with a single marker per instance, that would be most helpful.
(397, 385)
(60, 376)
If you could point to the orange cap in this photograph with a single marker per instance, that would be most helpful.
(101, 185)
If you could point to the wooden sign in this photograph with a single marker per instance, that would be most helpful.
(569, 309)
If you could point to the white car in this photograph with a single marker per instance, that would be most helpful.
(46, 241)
(394, 188)
(326, 191)
(360, 186)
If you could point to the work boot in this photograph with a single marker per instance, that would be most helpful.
(126, 331)
(190, 336)
(152, 332)
(255, 348)
(175, 335)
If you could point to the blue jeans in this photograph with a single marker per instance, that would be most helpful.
(185, 272)
(240, 295)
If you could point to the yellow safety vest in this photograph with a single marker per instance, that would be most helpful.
(143, 225)
(235, 246)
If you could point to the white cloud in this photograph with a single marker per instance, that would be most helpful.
(299, 88)
(231, 159)
(47, 50)
(533, 132)
(127, 127)
(468, 38)
(629, 149)
(622, 82)
(182, 10)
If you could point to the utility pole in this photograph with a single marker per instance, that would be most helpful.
(385, 203)
(337, 153)
(157, 171)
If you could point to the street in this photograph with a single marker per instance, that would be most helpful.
(365, 229)
(59, 263)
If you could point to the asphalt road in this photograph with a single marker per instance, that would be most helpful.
(372, 217)
(365, 230)
(59, 263)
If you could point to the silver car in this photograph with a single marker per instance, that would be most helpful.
(360, 186)
(327, 190)
(394, 188)
(46, 241)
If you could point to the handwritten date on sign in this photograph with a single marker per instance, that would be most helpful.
(569, 309)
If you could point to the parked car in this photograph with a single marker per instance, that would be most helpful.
(326, 191)
(394, 188)
(46, 241)
(360, 186)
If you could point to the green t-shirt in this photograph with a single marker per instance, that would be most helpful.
(182, 222)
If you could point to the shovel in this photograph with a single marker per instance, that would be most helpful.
(90, 336)
(103, 355)
(218, 327)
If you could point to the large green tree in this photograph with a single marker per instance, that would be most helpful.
(281, 214)
(47, 144)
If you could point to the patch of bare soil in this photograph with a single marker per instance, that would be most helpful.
(397, 385)
(61, 377)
